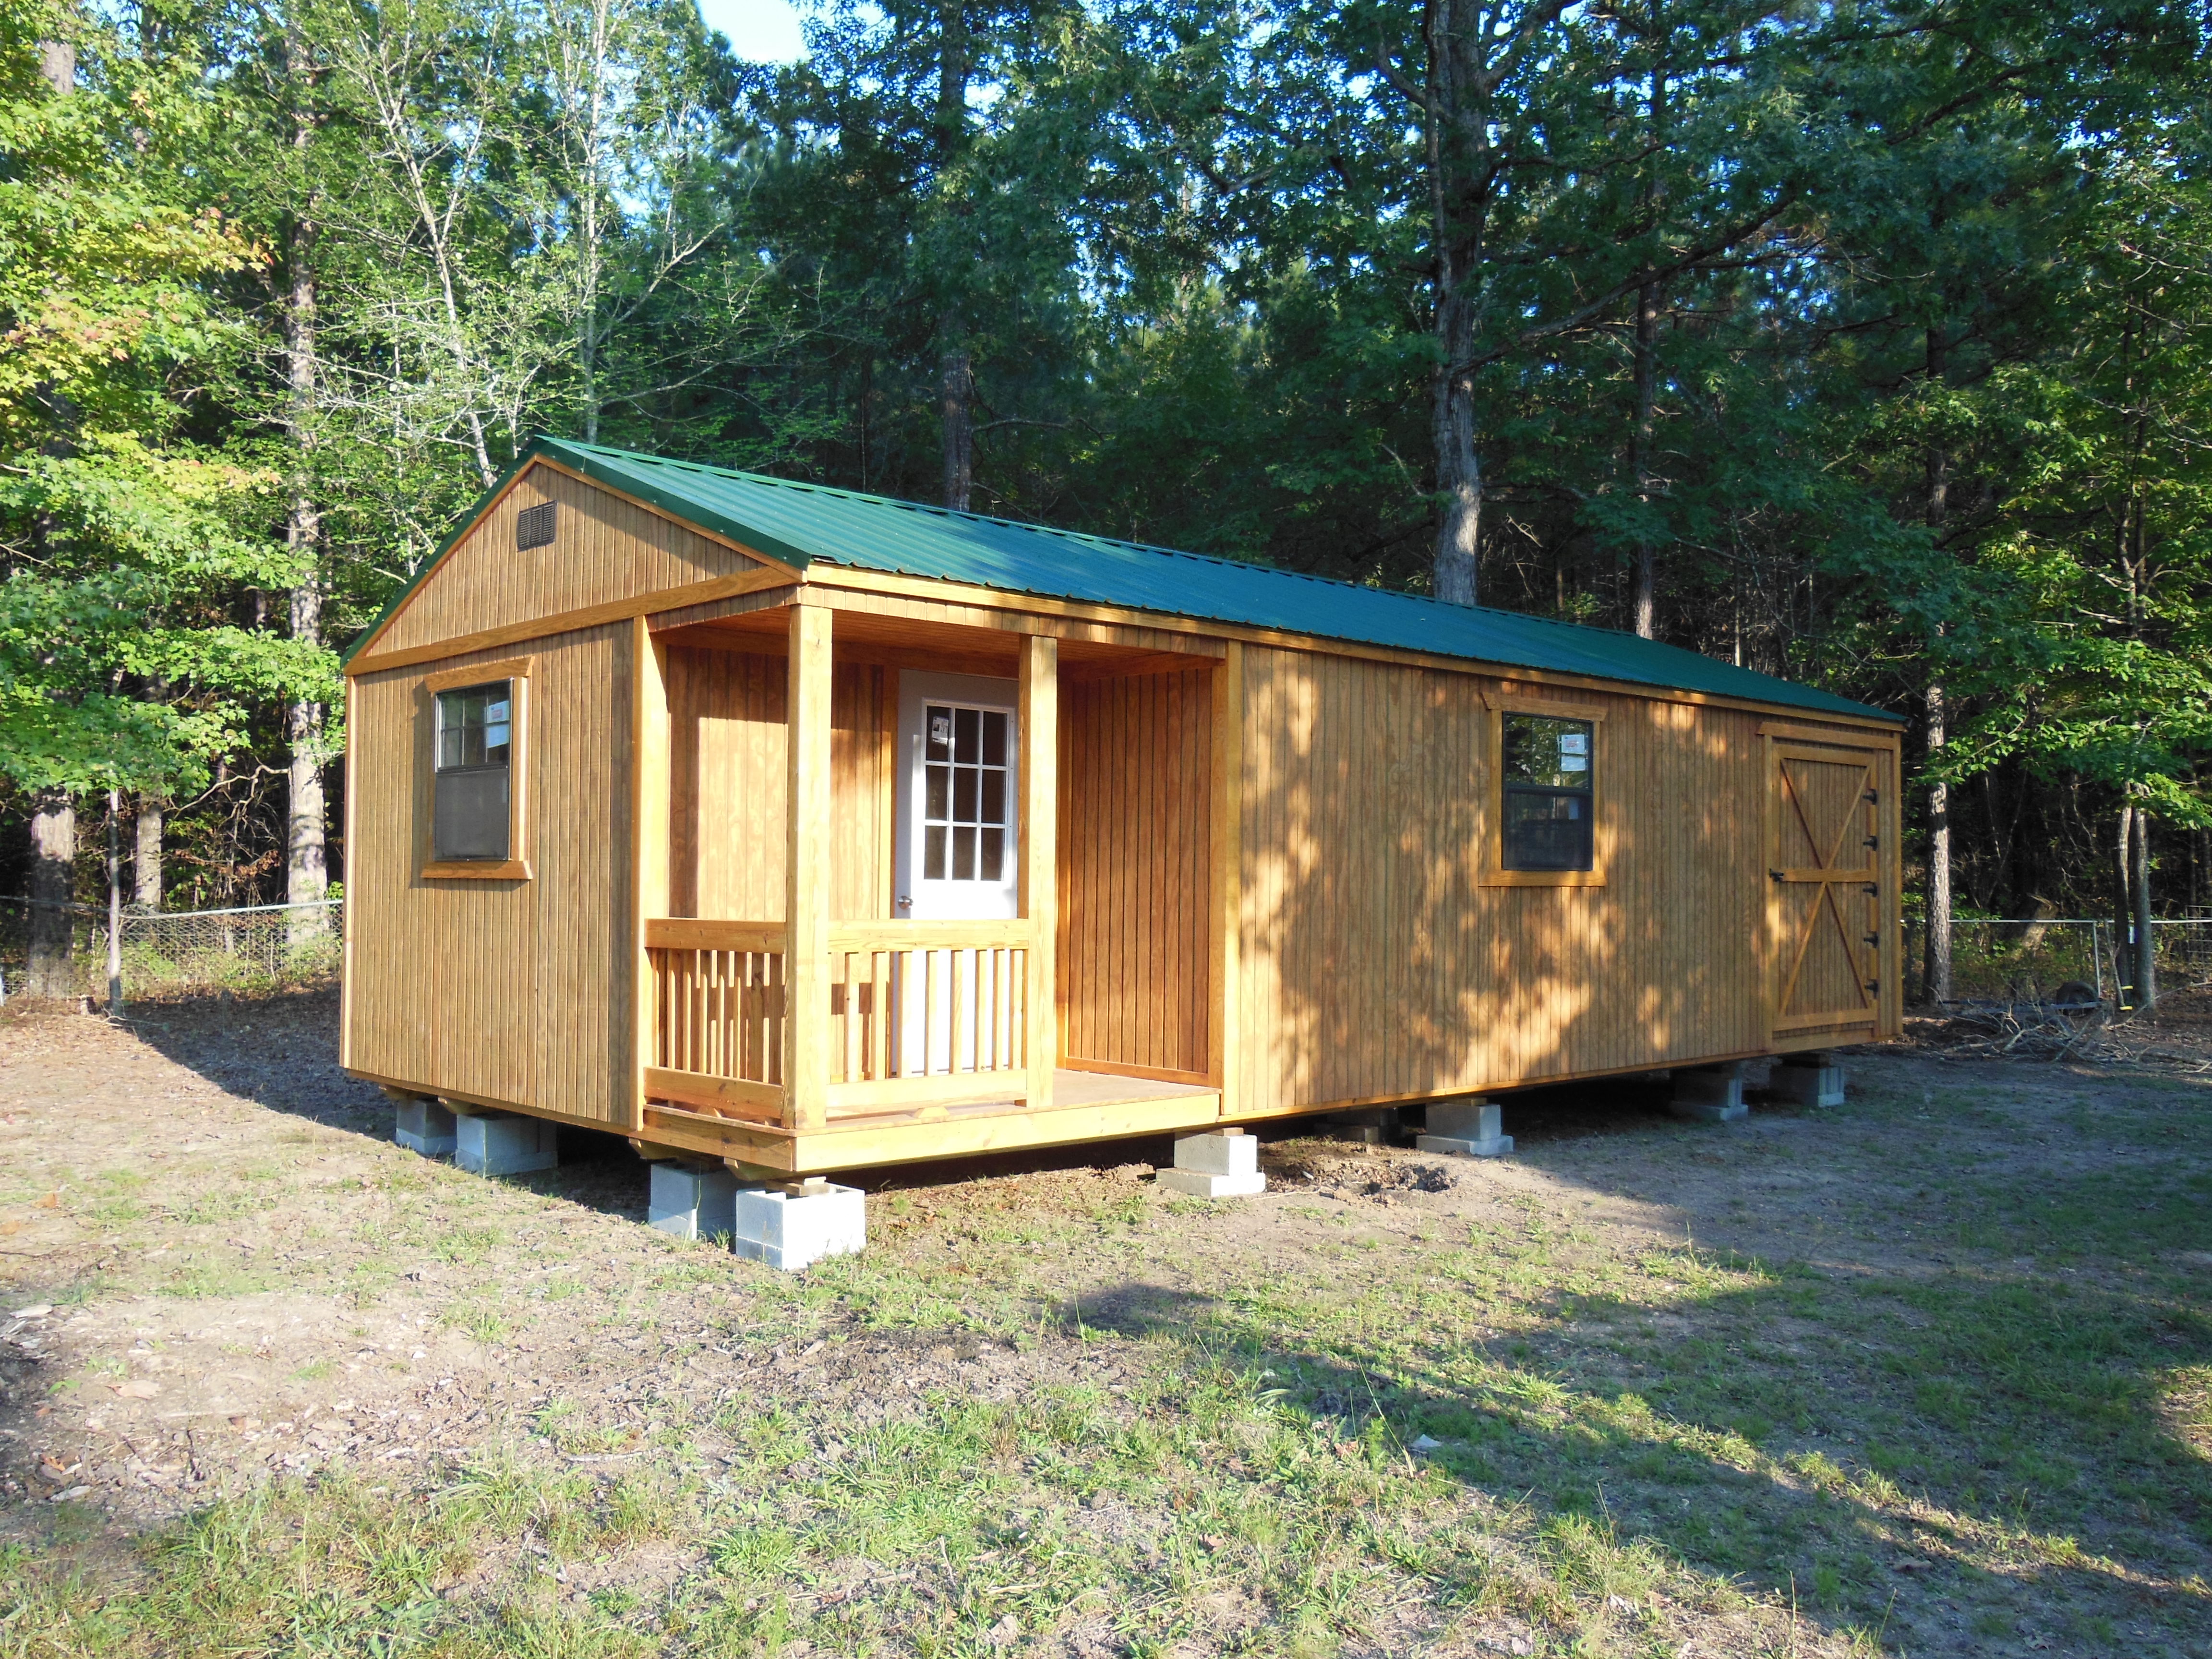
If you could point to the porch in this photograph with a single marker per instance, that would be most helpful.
(822, 982)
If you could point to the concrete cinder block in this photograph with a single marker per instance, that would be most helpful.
(1361, 1135)
(1808, 1079)
(505, 1143)
(1223, 1164)
(793, 1225)
(1710, 1094)
(1224, 1153)
(1196, 1183)
(1458, 1146)
(425, 1127)
(1375, 1127)
(1464, 1120)
(693, 1200)
(1466, 1128)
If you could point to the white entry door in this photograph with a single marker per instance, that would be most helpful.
(958, 846)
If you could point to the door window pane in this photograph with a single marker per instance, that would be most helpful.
(968, 794)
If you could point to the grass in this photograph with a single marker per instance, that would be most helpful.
(1991, 1366)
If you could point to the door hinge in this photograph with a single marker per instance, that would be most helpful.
(1778, 875)
(1874, 985)
(1873, 799)
(1871, 890)
(1874, 841)
(1873, 938)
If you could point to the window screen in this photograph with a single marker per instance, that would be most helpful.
(965, 796)
(469, 816)
(533, 527)
(1547, 797)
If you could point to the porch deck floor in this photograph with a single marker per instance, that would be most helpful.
(1104, 1088)
(1094, 1088)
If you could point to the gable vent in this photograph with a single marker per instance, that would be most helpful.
(533, 527)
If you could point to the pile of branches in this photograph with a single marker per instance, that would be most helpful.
(2059, 1028)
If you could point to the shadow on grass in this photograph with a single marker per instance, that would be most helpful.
(1832, 1437)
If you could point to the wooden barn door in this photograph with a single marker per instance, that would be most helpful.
(1827, 875)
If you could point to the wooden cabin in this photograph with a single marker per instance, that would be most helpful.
(813, 831)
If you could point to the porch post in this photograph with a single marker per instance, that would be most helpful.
(649, 732)
(806, 876)
(1227, 857)
(1040, 855)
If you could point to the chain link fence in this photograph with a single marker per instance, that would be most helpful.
(171, 953)
(2031, 960)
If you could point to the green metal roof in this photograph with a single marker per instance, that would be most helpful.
(801, 523)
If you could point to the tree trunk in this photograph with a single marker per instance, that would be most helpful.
(307, 868)
(307, 877)
(146, 861)
(2124, 911)
(1936, 972)
(57, 66)
(53, 865)
(959, 411)
(1936, 977)
(115, 903)
(956, 388)
(2146, 945)
(1646, 618)
(1459, 465)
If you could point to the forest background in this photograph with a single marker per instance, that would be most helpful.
(1867, 341)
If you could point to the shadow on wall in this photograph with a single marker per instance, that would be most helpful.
(1376, 962)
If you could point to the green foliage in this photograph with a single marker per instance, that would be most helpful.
(118, 665)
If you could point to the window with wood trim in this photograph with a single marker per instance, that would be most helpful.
(1548, 796)
(478, 747)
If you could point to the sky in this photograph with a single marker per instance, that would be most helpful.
(766, 31)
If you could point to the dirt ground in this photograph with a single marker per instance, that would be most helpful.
(1928, 1374)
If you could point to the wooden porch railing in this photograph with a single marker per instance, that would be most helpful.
(716, 1040)
(926, 1012)
(921, 1013)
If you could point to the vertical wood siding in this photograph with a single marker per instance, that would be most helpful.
(603, 548)
(728, 776)
(1133, 870)
(506, 990)
(1373, 963)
